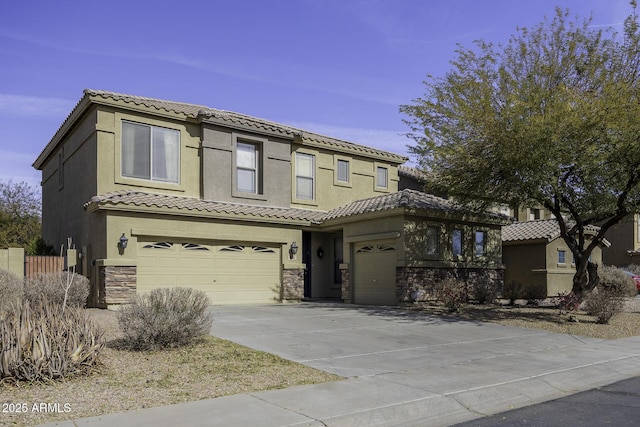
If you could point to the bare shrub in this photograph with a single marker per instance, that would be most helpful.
(604, 303)
(11, 288)
(452, 293)
(607, 299)
(165, 318)
(41, 342)
(58, 287)
(613, 276)
(634, 268)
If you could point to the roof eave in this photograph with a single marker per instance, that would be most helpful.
(78, 111)
(94, 207)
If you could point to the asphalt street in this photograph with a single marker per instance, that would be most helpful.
(617, 404)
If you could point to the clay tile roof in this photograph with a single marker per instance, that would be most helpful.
(412, 172)
(138, 198)
(543, 229)
(194, 111)
(403, 199)
(407, 198)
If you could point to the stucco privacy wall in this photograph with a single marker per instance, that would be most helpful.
(330, 193)
(12, 260)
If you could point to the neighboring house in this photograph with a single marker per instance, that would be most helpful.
(158, 193)
(537, 257)
(625, 242)
(530, 214)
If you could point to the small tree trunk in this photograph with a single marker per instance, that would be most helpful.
(585, 279)
(594, 279)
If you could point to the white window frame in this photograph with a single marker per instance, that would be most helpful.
(381, 186)
(151, 163)
(485, 235)
(460, 256)
(312, 177)
(255, 168)
(385, 184)
(562, 262)
(347, 170)
(432, 231)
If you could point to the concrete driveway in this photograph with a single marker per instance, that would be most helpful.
(443, 370)
(402, 368)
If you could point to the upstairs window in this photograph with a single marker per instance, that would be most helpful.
(305, 176)
(481, 243)
(247, 173)
(432, 241)
(456, 243)
(343, 170)
(382, 177)
(150, 152)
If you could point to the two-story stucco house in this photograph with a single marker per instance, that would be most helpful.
(158, 193)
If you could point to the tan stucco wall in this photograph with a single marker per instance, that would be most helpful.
(330, 194)
(137, 226)
(218, 163)
(374, 229)
(12, 260)
(63, 214)
(535, 264)
(109, 131)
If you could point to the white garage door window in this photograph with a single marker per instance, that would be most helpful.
(375, 273)
(228, 273)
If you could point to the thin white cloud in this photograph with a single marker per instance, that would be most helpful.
(16, 166)
(342, 83)
(34, 106)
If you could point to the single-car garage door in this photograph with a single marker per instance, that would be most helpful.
(235, 273)
(375, 273)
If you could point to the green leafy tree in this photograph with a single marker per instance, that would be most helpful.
(20, 220)
(550, 118)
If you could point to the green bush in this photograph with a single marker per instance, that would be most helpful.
(11, 288)
(513, 291)
(484, 292)
(41, 342)
(53, 286)
(452, 293)
(165, 318)
(38, 246)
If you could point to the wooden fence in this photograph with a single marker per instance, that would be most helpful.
(35, 264)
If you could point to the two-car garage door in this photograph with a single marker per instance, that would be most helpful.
(230, 273)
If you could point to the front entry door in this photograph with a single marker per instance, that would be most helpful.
(306, 260)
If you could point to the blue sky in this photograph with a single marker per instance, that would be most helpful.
(337, 67)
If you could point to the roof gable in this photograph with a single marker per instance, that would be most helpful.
(543, 229)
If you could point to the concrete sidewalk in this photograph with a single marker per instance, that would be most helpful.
(402, 368)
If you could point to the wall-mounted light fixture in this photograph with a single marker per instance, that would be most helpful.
(122, 241)
(320, 252)
(293, 250)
